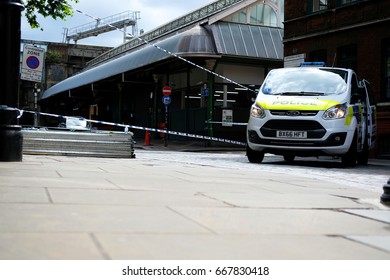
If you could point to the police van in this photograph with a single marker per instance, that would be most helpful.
(312, 111)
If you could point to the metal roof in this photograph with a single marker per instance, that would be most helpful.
(225, 39)
(175, 25)
(194, 42)
(248, 40)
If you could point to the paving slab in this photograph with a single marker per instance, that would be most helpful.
(93, 218)
(381, 242)
(23, 195)
(237, 247)
(279, 221)
(44, 182)
(256, 199)
(54, 207)
(131, 197)
(379, 215)
(49, 246)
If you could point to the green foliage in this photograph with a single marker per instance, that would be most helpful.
(57, 9)
(52, 57)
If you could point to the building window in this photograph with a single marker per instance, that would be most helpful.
(239, 17)
(345, 2)
(268, 13)
(317, 5)
(387, 69)
(263, 15)
(318, 55)
(347, 57)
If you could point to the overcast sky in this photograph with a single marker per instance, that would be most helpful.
(153, 13)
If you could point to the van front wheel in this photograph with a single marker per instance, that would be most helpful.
(254, 156)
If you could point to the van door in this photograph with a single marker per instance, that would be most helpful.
(358, 101)
(371, 114)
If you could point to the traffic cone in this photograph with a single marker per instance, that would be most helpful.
(147, 138)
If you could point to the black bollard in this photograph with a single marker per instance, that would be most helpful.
(385, 198)
(11, 138)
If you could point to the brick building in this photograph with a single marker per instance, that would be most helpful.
(346, 33)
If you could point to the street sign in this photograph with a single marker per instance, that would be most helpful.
(166, 91)
(166, 100)
(32, 64)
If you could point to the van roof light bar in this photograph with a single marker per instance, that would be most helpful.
(312, 64)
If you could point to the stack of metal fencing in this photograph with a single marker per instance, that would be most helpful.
(78, 143)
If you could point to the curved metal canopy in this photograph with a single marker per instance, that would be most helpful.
(194, 42)
(224, 39)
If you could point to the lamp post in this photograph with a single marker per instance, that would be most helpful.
(11, 138)
(385, 198)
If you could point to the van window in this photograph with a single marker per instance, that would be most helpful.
(355, 97)
(303, 81)
(370, 93)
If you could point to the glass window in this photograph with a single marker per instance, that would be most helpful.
(263, 15)
(354, 84)
(268, 14)
(318, 55)
(347, 57)
(343, 2)
(239, 17)
(317, 5)
(303, 81)
(387, 69)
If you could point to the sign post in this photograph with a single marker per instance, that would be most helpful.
(166, 99)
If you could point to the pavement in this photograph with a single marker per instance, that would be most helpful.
(75, 208)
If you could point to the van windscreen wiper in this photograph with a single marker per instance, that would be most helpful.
(301, 93)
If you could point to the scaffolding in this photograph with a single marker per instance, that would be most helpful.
(121, 21)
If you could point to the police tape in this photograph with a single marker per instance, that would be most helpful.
(128, 126)
(227, 123)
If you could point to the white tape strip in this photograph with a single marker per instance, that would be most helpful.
(227, 123)
(127, 126)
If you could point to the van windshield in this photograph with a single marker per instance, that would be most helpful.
(303, 81)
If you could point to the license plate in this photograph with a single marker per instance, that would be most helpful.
(291, 134)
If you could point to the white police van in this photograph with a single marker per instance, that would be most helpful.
(312, 111)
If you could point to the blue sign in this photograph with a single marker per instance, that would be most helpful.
(32, 62)
(167, 100)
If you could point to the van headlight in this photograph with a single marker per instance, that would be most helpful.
(336, 112)
(257, 111)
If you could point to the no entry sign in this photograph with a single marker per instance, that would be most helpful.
(32, 65)
(166, 91)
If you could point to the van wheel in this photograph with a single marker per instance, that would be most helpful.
(289, 158)
(254, 156)
(350, 158)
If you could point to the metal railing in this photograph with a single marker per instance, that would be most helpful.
(103, 25)
(188, 19)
